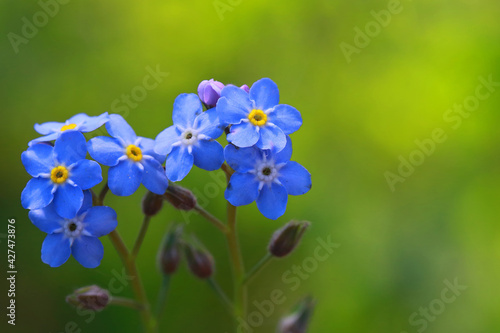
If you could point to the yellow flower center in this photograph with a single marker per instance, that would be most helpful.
(134, 153)
(257, 117)
(68, 127)
(59, 174)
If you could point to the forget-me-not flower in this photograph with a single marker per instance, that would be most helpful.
(256, 117)
(265, 176)
(80, 122)
(77, 236)
(61, 173)
(132, 159)
(190, 140)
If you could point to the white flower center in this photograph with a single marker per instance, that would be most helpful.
(189, 137)
(266, 172)
(73, 228)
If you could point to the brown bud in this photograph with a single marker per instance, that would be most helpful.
(90, 297)
(200, 261)
(298, 320)
(284, 240)
(169, 255)
(180, 197)
(151, 203)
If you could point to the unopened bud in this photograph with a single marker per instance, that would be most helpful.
(169, 255)
(209, 92)
(285, 240)
(200, 261)
(245, 88)
(299, 319)
(90, 297)
(151, 203)
(180, 197)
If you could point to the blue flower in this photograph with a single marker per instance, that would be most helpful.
(256, 117)
(61, 173)
(131, 158)
(77, 236)
(191, 139)
(80, 122)
(266, 176)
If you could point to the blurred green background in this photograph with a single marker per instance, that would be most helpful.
(396, 247)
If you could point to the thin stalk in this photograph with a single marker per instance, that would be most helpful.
(237, 264)
(136, 282)
(162, 297)
(140, 237)
(257, 268)
(222, 296)
(210, 218)
(126, 302)
(103, 193)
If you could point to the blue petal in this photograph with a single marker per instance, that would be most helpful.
(242, 189)
(70, 147)
(295, 178)
(208, 155)
(56, 250)
(285, 117)
(285, 154)
(271, 137)
(87, 202)
(265, 94)
(93, 123)
(242, 159)
(118, 128)
(186, 108)
(147, 147)
(38, 159)
(46, 138)
(78, 119)
(164, 140)
(37, 193)
(86, 174)
(154, 178)
(105, 150)
(100, 221)
(243, 135)
(48, 127)
(88, 251)
(209, 124)
(125, 177)
(68, 200)
(234, 105)
(46, 219)
(179, 163)
(272, 201)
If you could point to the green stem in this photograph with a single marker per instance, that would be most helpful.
(162, 297)
(136, 282)
(126, 302)
(210, 218)
(103, 193)
(223, 297)
(257, 268)
(140, 237)
(237, 264)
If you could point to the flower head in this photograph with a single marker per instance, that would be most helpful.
(80, 122)
(131, 159)
(265, 176)
(256, 117)
(60, 174)
(191, 139)
(77, 235)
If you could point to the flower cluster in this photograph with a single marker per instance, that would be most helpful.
(259, 149)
